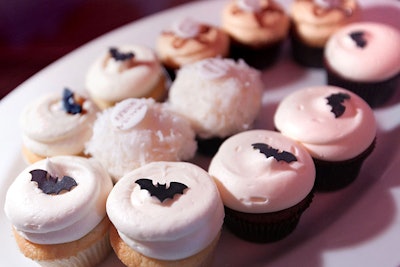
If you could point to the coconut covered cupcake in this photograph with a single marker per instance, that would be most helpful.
(313, 22)
(138, 131)
(364, 58)
(57, 208)
(336, 126)
(219, 97)
(186, 200)
(257, 29)
(124, 72)
(187, 41)
(266, 183)
(56, 124)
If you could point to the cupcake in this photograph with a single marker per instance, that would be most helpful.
(266, 183)
(138, 131)
(187, 41)
(365, 58)
(336, 126)
(313, 22)
(257, 29)
(219, 97)
(165, 214)
(57, 208)
(124, 72)
(56, 124)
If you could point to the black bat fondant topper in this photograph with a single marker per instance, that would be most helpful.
(359, 38)
(51, 185)
(120, 56)
(336, 103)
(161, 191)
(69, 103)
(269, 151)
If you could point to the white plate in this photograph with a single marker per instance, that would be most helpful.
(357, 226)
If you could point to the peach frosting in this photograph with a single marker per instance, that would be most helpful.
(113, 80)
(188, 40)
(48, 130)
(172, 229)
(58, 218)
(377, 59)
(137, 131)
(250, 182)
(255, 22)
(305, 116)
(213, 93)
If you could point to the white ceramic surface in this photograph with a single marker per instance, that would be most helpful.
(357, 226)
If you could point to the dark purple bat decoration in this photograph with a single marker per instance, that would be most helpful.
(336, 103)
(359, 38)
(69, 103)
(51, 185)
(119, 56)
(161, 191)
(269, 151)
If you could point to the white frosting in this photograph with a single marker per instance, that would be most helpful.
(58, 218)
(249, 5)
(250, 182)
(48, 130)
(211, 93)
(328, 3)
(125, 142)
(114, 80)
(175, 228)
(305, 115)
(378, 60)
(186, 28)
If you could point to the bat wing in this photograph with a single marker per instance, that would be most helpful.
(176, 188)
(285, 156)
(66, 183)
(146, 184)
(39, 176)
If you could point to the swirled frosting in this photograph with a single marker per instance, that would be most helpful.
(316, 20)
(190, 220)
(255, 22)
(251, 182)
(138, 131)
(58, 218)
(188, 40)
(218, 96)
(112, 78)
(306, 116)
(364, 51)
(49, 130)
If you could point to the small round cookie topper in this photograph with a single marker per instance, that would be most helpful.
(249, 5)
(128, 113)
(186, 28)
(212, 69)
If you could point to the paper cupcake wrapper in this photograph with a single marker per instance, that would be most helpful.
(332, 176)
(266, 227)
(306, 55)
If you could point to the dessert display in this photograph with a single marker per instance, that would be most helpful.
(57, 208)
(364, 58)
(188, 40)
(137, 131)
(56, 124)
(219, 97)
(336, 126)
(313, 22)
(166, 191)
(257, 29)
(266, 182)
(126, 71)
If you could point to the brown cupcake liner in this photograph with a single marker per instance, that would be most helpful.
(305, 55)
(375, 94)
(266, 227)
(332, 176)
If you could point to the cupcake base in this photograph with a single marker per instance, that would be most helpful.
(304, 54)
(374, 93)
(332, 176)
(266, 227)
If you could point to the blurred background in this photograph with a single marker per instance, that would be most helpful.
(34, 33)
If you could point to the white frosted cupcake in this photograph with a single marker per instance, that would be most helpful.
(138, 131)
(57, 210)
(56, 124)
(165, 214)
(336, 126)
(266, 183)
(219, 97)
(126, 71)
